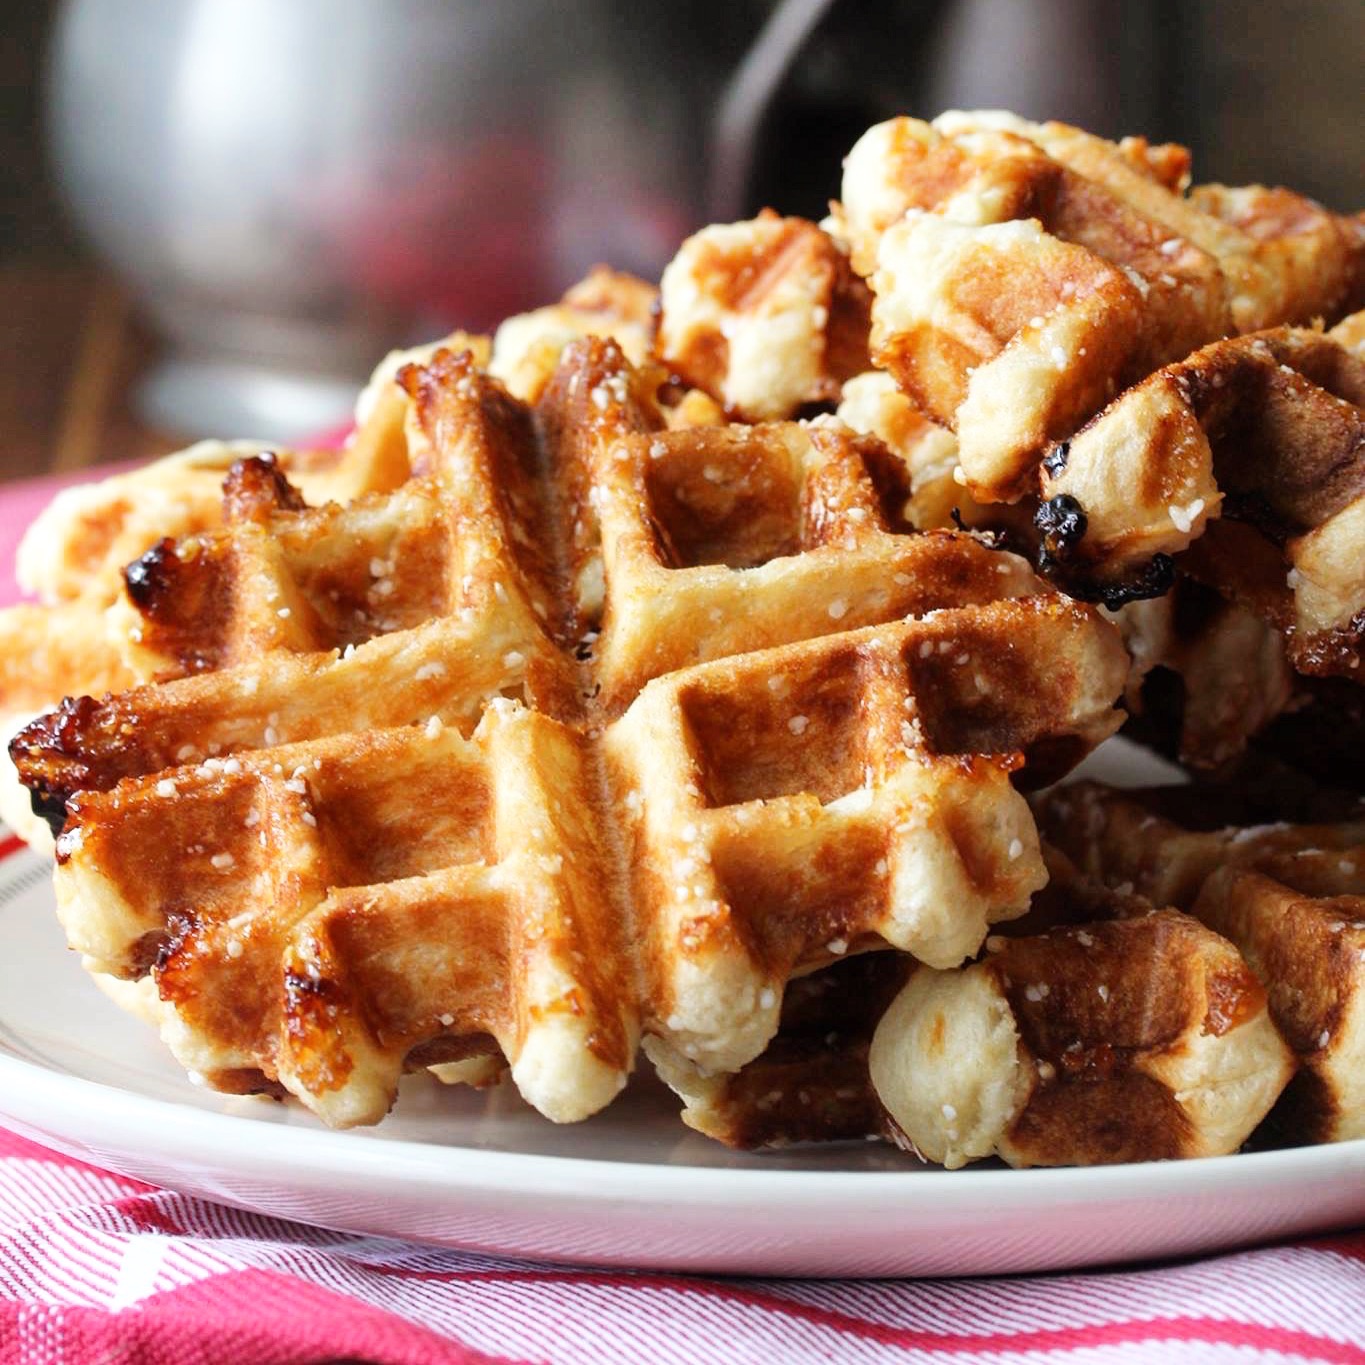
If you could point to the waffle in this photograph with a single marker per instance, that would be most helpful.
(588, 730)
(1140, 1038)
(1250, 455)
(1099, 1030)
(1291, 897)
(78, 545)
(765, 316)
(73, 556)
(607, 303)
(810, 1084)
(1022, 273)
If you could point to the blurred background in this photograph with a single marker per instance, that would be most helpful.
(218, 214)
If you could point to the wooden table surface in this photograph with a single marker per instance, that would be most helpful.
(73, 354)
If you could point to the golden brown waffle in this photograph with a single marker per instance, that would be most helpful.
(765, 315)
(73, 556)
(1250, 455)
(1022, 273)
(415, 796)
(77, 547)
(1291, 897)
(607, 303)
(1140, 1038)
(1110, 1032)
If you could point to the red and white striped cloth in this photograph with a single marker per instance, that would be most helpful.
(96, 1267)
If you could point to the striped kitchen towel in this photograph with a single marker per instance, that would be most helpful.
(96, 1267)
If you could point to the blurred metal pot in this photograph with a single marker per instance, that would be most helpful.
(292, 186)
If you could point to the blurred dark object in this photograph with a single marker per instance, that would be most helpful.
(1265, 92)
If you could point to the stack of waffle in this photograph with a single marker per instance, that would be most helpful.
(1141, 393)
(663, 675)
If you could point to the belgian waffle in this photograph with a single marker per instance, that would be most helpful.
(78, 545)
(607, 303)
(765, 315)
(587, 729)
(1138, 1038)
(1022, 273)
(72, 559)
(577, 718)
(1291, 897)
(73, 556)
(1250, 455)
(1100, 1029)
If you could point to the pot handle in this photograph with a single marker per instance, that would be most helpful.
(745, 100)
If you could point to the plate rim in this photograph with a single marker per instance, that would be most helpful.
(188, 1133)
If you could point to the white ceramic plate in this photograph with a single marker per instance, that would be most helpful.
(630, 1187)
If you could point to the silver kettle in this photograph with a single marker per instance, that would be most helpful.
(291, 187)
